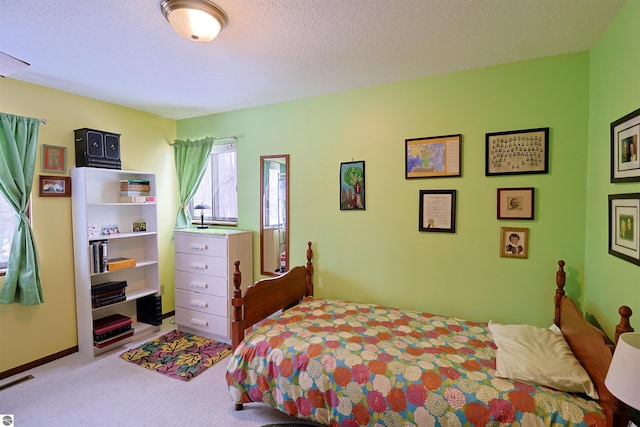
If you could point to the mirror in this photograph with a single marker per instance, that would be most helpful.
(274, 214)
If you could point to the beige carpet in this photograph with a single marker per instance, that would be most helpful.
(106, 391)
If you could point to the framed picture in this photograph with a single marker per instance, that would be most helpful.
(139, 226)
(432, 157)
(624, 148)
(352, 188)
(514, 242)
(515, 203)
(437, 211)
(623, 226)
(54, 159)
(517, 152)
(54, 186)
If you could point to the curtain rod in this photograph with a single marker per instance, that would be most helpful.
(233, 137)
(43, 121)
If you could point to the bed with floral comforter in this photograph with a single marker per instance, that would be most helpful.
(350, 364)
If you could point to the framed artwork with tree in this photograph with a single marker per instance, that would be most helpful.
(352, 187)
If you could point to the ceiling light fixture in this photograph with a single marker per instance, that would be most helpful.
(197, 20)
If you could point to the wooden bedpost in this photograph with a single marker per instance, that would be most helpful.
(624, 325)
(237, 326)
(561, 278)
(309, 270)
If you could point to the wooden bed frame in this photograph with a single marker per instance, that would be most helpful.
(590, 345)
(267, 296)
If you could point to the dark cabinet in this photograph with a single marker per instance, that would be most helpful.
(98, 149)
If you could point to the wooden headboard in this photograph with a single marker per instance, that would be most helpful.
(591, 346)
(267, 296)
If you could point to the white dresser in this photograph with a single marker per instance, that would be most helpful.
(204, 263)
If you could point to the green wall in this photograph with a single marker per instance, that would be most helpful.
(378, 255)
(615, 92)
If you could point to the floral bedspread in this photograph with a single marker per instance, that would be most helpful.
(347, 364)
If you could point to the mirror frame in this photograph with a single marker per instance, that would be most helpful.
(262, 213)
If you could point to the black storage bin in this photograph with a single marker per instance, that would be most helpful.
(149, 309)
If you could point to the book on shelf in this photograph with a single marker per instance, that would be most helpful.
(108, 286)
(98, 256)
(135, 193)
(111, 329)
(103, 302)
(110, 323)
(136, 199)
(119, 263)
(107, 298)
(135, 185)
(115, 339)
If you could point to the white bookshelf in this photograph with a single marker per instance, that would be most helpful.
(94, 195)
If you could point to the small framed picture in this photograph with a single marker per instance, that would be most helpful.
(432, 157)
(54, 159)
(54, 186)
(517, 152)
(352, 188)
(625, 132)
(515, 203)
(139, 226)
(437, 211)
(514, 242)
(109, 230)
(623, 226)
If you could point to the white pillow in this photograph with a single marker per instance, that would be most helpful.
(539, 356)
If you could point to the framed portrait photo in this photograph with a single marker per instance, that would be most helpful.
(623, 226)
(54, 159)
(517, 152)
(432, 157)
(437, 211)
(514, 242)
(352, 186)
(54, 186)
(625, 131)
(515, 203)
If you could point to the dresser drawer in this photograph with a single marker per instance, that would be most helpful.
(200, 264)
(202, 283)
(204, 303)
(207, 323)
(192, 243)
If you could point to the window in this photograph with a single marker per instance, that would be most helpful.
(7, 227)
(218, 188)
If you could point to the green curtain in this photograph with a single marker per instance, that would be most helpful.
(18, 148)
(191, 159)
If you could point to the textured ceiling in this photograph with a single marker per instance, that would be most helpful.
(124, 51)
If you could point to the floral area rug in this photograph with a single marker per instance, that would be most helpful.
(178, 354)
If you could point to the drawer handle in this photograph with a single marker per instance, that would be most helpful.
(199, 266)
(200, 285)
(197, 303)
(199, 322)
(199, 247)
